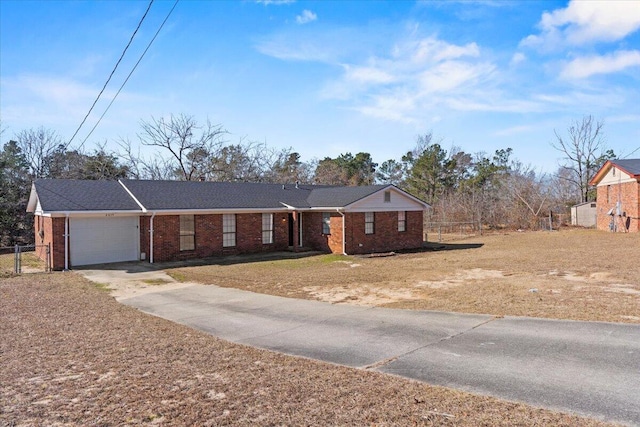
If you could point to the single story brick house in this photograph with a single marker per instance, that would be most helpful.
(94, 222)
(618, 195)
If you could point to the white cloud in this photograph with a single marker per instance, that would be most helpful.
(306, 17)
(275, 2)
(583, 22)
(451, 75)
(517, 58)
(430, 50)
(415, 79)
(624, 118)
(514, 130)
(584, 67)
(367, 75)
(59, 91)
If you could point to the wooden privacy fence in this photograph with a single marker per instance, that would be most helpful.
(20, 259)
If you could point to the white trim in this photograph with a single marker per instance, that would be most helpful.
(300, 229)
(58, 214)
(66, 243)
(151, 238)
(344, 229)
(132, 196)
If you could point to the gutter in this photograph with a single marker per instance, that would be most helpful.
(151, 238)
(66, 242)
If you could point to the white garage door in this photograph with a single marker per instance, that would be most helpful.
(103, 240)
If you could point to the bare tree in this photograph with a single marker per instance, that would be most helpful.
(189, 145)
(529, 196)
(246, 161)
(584, 152)
(37, 145)
(141, 167)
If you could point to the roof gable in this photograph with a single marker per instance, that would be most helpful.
(65, 195)
(630, 167)
(387, 198)
(338, 197)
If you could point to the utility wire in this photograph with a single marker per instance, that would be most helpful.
(631, 153)
(132, 70)
(112, 73)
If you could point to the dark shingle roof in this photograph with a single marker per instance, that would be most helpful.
(631, 166)
(169, 195)
(165, 195)
(74, 195)
(59, 195)
(340, 196)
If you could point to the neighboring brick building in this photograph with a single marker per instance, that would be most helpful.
(618, 195)
(96, 222)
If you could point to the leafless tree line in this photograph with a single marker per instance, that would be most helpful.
(492, 189)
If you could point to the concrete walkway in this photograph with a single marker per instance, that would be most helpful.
(590, 368)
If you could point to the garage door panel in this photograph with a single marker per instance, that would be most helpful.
(103, 240)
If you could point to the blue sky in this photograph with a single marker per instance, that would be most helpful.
(331, 77)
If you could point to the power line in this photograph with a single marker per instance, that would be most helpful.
(631, 153)
(112, 72)
(132, 70)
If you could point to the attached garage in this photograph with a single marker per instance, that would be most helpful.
(102, 240)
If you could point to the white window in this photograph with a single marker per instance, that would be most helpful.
(387, 196)
(402, 221)
(368, 222)
(267, 228)
(228, 230)
(187, 233)
(326, 223)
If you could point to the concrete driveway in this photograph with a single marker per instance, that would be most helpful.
(590, 368)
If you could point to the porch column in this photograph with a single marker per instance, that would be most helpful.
(296, 231)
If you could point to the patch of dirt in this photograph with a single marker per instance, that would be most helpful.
(73, 356)
(573, 271)
(362, 295)
(124, 283)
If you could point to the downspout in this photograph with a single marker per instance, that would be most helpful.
(151, 238)
(66, 242)
(344, 235)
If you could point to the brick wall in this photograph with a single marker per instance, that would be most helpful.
(629, 194)
(208, 236)
(53, 235)
(312, 236)
(386, 236)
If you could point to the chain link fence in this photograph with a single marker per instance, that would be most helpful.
(448, 231)
(21, 259)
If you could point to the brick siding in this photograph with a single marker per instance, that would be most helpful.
(208, 236)
(53, 235)
(629, 195)
(386, 236)
(312, 236)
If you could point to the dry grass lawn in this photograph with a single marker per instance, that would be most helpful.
(571, 274)
(70, 355)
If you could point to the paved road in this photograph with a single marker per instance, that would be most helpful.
(589, 368)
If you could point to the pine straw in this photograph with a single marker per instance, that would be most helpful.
(573, 274)
(71, 355)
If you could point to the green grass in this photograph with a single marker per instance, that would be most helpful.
(155, 281)
(101, 286)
